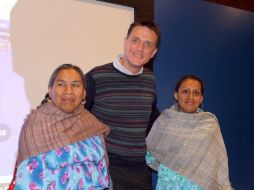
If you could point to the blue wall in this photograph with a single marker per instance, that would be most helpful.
(217, 43)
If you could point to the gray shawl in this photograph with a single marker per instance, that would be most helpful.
(192, 145)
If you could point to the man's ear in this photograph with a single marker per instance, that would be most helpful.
(154, 52)
(125, 41)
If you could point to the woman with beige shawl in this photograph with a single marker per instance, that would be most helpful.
(185, 144)
(61, 145)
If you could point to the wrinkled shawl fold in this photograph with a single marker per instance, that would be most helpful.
(192, 145)
(48, 128)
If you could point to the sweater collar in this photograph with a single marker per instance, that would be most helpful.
(120, 67)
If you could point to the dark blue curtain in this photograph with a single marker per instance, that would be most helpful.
(215, 42)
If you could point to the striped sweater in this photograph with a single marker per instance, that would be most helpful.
(126, 104)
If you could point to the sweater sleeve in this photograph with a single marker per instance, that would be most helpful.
(154, 114)
(90, 91)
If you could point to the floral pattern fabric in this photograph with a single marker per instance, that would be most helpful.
(170, 180)
(81, 165)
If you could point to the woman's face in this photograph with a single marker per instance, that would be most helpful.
(189, 96)
(67, 91)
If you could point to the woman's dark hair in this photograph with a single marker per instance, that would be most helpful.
(55, 73)
(193, 77)
(149, 24)
(66, 66)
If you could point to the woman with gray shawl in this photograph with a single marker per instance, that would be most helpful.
(185, 144)
(61, 145)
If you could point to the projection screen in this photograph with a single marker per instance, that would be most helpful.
(35, 37)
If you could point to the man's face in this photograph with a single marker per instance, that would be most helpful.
(139, 48)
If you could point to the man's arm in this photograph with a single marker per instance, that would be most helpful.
(154, 114)
(90, 91)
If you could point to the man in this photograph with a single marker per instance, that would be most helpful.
(122, 95)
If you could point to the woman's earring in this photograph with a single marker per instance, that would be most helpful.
(49, 99)
(83, 101)
(176, 105)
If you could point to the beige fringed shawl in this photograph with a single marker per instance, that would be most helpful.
(48, 128)
(192, 145)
